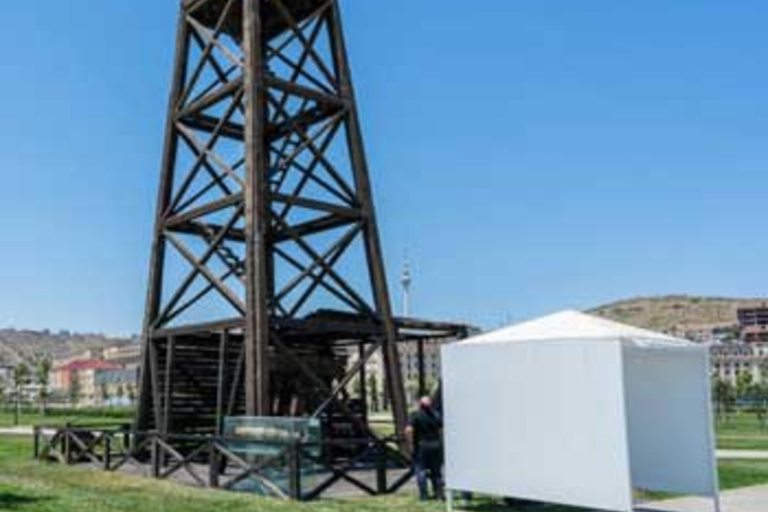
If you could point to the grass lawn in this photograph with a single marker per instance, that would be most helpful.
(741, 432)
(30, 486)
(28, 418)
(742, 443)
(743, 424)
(743, 473)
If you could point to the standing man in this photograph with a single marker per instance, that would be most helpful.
(424, 433)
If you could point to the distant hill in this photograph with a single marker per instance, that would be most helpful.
(677, 314)
(24, 345)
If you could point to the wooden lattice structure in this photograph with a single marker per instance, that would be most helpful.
(266, 265)
(209, 461)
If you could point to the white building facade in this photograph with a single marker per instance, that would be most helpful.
(729, 360)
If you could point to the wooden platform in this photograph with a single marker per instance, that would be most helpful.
(274, 22)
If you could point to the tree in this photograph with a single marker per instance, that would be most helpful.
(357, 386)
(120, 392)
(131, 393)
(21, 378)
(724, 395)
(385, 395)
(744, 381)
(759, 394)
(412, 390)
(373, 392)
(43, 365)
(105, 394)
(74, 389)
(432, 384)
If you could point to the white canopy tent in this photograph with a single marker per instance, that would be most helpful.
(578, 410)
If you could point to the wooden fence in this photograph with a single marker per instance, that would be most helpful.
(296, 470)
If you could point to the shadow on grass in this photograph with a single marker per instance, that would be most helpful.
(11, 501)
(487, 505)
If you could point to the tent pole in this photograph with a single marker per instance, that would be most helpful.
(711, 428)
(449, 500)
(718, 507)
(623, 366)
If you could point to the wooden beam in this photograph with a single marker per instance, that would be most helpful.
(164, 197)
(257, 208)
(207, 327)
(200, 267)
(222, 381)
(168, 392)
(373, 250)
(206, 209)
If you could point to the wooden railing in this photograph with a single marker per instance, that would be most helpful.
(212, 462)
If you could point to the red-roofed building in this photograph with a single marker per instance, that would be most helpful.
(82, 374)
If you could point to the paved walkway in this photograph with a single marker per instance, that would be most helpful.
(743, 454)
(747, 499)
(23, 431)
(16, 431)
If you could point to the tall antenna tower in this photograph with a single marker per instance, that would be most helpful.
(406, 280)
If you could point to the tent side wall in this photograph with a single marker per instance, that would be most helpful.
(538, 420)
(669, 419)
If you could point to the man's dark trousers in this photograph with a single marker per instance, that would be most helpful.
(427, 463)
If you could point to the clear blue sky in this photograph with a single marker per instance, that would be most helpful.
(529, 155)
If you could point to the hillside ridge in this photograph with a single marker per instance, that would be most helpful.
(678, 314)
(24, 345)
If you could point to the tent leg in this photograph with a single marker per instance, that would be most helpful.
(449, 500)
(718, 505)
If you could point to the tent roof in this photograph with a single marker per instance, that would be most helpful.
(573, 325)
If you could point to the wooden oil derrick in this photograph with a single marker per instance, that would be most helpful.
(266, 263)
